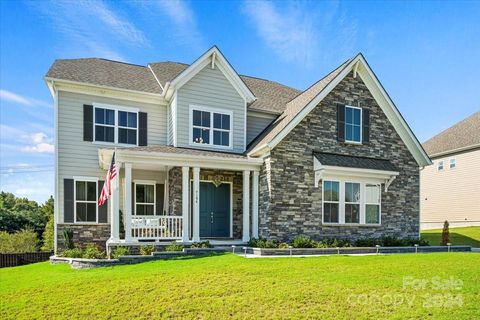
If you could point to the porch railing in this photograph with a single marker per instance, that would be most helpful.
(156, 227)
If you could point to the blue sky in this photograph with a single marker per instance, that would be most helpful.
(426, 54)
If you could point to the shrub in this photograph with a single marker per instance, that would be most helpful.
(445, 234)
(283, 245)
(147, 250)
(48, 236)
(333, 243)
(262, 243)
(390, 241)
(202, 244)
(174, 246)
(72, 253)
(303, 242)
(22, 241)
(123, 251)
(67, 236)
(91, 251)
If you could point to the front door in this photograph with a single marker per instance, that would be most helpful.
(214, 210)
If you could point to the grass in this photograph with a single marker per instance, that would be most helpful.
(229, 286)
(466, 235)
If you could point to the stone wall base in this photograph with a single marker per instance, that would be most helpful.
(84, 234)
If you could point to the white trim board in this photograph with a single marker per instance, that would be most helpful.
(381, 97)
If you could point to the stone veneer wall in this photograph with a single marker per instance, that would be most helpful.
(84, 234)
(289, 202)
(236, 177)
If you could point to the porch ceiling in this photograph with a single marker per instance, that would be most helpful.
(162, 156)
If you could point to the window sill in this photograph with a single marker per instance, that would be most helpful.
(209, 146)
(353, 143)
(114, 144)
(351, 224)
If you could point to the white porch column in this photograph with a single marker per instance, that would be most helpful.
(196, 204)
(255, 205)
(114, 207)
(246, 206)
(127, 204)
(185, 196)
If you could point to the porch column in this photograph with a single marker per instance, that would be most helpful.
(114, 207)
(196, 204)
(185, 196)
(255, 205)
(127, 205)
(246, 206)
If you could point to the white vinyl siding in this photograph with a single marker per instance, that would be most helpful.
(210, 88)
(80, 158)
(255, 125)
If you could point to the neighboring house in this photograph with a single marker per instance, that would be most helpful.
(204, 153)
(450, 189)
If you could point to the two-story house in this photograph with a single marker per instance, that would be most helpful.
(205, 153)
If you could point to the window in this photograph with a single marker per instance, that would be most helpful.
(347, 202)
(372, 203)
(353, 124)
(453, 163)
(145, 199)
(352, 202)
(440, 166)
(116, 126)
(85, 201)
(331, 201)
(211, 127)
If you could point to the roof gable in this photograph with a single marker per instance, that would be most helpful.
(297, 109)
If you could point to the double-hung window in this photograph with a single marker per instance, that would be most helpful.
(116, 125)
(145, 199)
(440, 165)
(453, 163)
(86, 201)
(353, 124)
(350, 202)
(211, 127)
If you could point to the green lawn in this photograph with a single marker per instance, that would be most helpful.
(229, 286)
(467, 235)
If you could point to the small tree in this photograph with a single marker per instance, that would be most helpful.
(445, 234)
(49, 236)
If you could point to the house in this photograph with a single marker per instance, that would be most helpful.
(450, 189)
(205, 153)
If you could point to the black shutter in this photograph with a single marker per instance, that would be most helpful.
(133, 198)
(68, 201)
(160, 192)
(103, 209)
(366, 126)
(340, 122)
(87, 123)
(142, 129)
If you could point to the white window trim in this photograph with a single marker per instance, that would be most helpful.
(116, 126)
(329, 201)
(379, 204)
(361, 125)
(212, 111)
(85, 179)
(341, 208)
(150, 183)
(360, 186)
(442, 164)
(454, 162)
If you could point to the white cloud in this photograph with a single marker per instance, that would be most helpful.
(91, 27)
(9, 96)
(183, 21)
(39, 143)
(290, 32)
(36, 186)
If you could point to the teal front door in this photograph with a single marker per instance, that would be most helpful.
(214, 210)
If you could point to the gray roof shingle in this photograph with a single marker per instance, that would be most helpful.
(185, 151)
(340, 160)
(464, 134)
(105, 73)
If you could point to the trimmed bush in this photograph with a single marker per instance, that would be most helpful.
(262, 243)
(22, 241)
(121, 251)
(72, 253)
(283, 245)
(147, 250)
(333, 243)
(202, 244)
(174, 246)
(91, 251)
(303, 242)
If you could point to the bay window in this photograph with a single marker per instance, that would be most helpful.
(210, 127)
(351, 202)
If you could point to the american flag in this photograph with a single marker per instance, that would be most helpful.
(107, 188)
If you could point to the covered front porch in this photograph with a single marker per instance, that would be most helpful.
(165, 194)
